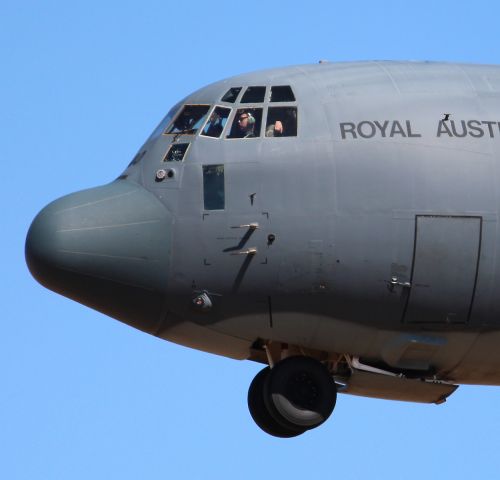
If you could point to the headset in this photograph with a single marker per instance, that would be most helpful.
(251, 118)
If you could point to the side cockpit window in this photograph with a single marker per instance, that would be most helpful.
(254, 95)
(231, 95)
(216, 123)
(246, 123)
(189, 120)
(281, 122)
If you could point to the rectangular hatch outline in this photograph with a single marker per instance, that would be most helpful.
(479, 249)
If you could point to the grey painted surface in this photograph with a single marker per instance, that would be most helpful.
(444, 272)
(341, 199)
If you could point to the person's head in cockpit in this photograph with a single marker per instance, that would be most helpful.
(184, 121)
(246, 123)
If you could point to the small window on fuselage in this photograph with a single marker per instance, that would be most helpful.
(254, 95)
(213, 187)
(282, 93)
(246, 123)
(216, 122)
(176, 152)
(189, 120)
(281, 122)
(231, 95)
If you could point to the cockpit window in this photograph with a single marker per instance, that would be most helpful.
(165, 122)
(216, 122)
(231, 95)
(254, 95)
(246, 124)
(176, 152)
(282, 93)
(281, 122)
(189, 119)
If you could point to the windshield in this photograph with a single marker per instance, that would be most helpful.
(216, 122)
(189, 119)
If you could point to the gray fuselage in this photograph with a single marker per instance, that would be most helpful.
(371, 232)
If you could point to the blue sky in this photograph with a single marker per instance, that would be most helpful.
(83, 396)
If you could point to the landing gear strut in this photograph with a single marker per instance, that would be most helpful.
(296, 395)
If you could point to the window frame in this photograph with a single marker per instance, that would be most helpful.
(200, 134)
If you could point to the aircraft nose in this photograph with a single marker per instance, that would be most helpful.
(106, 247)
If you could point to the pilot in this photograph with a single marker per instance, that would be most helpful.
(183, 122)
(245, 126)
(275, 129)
(215, 126)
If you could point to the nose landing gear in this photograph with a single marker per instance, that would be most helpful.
(296, 395)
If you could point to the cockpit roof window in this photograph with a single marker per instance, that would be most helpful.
(254, 95)
(282, 93)
(189, 120)
(231, 95)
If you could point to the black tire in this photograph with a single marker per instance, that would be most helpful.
(299, 392)
(260, 413)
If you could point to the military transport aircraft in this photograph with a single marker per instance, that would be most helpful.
(335, 222)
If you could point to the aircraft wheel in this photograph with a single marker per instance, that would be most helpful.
(260, 413)
(300, 393)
